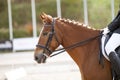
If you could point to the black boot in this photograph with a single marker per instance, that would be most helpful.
(115, 62)
(115, 23)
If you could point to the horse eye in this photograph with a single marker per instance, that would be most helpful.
(45, 34)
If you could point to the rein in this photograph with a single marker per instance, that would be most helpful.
(75, 45)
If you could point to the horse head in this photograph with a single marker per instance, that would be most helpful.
(48, 39)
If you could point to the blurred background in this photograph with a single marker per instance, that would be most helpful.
(99, 14)
(20, 18)
(20, 25)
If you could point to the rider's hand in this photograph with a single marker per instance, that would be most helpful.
(106, 31)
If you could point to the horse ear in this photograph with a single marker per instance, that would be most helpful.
(42, 16)
(49, 18)
(46, 18)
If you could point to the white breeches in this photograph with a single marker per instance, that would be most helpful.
(112, 43)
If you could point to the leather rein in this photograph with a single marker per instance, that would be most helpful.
(61, 50)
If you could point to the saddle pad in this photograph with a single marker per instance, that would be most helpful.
(103, 47)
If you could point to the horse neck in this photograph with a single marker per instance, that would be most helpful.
(73, 33)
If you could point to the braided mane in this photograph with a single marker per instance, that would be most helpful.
(48, 19)
(74, 23)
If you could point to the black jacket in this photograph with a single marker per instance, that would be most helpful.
(115, 23)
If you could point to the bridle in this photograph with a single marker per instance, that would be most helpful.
(52, 33)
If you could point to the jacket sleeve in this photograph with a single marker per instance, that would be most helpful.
(115, 23)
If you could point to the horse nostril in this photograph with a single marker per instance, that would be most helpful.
(36, 58)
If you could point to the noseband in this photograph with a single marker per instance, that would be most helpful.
(46, 46)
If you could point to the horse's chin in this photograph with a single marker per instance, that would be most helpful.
(41, 61)
(41, 58)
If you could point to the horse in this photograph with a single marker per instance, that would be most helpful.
(60, 31)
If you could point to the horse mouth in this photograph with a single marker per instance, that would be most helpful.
(40, 58)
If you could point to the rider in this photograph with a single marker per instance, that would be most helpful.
(113, 43)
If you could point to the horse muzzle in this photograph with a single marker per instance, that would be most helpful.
(40, 58)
